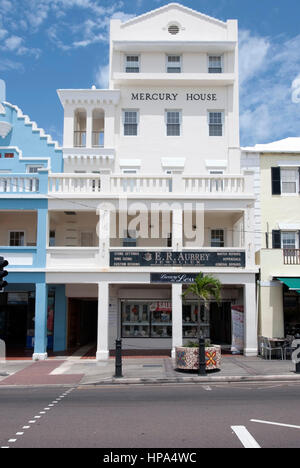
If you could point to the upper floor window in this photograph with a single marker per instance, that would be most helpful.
(215, 122)
(289, 181)
(217, 238)
(215, 64)
(173, 64)
(130, 120)
(289, 240)
(17, 238)
(132, 64)
(173, 119)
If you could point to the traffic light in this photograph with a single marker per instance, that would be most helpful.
(3, 273)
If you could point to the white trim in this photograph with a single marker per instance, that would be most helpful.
(130, 163)
(289, 227)
(173, 162)
(288, 163)
(216, 163)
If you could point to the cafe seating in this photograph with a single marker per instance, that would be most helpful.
(268, 349)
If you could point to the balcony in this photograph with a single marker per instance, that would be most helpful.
(291, 256)
(208, 186)
(21, 184)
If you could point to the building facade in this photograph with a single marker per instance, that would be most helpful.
(27, 155)
(152, 193)
(277, 222)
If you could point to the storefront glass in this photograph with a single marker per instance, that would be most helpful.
(151, 319)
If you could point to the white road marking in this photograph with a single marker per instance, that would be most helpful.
(31, 422)
(207, 388)
(245, 437)
(20, 433)
(274, 423)
(11, 441)
(26, 427)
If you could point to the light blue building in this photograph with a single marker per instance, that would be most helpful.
(27, 306)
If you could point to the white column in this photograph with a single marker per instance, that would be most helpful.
(249, 236)
(250, 326)
(177, 236)
(176, 317)
(104, 237)
(103, 311)
(89, 127)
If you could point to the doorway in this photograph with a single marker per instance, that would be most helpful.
(82, 322)
(220, 323)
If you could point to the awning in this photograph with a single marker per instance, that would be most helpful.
(292, 283)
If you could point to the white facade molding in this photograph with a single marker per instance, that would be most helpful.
(216, 163)
(130, 163)
(83, 97)
(177, 163)
(289, 226)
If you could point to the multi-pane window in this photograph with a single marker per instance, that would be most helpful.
(173, 119)
(173, 64)
(215, 64)
(289, 180)
(132, 64)
(17, 238)
(289, 240)
(130, 118)
(215, 122)
(217, 238)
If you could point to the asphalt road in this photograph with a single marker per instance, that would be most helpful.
(186, 416)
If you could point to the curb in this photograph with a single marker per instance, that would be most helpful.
(196, 380)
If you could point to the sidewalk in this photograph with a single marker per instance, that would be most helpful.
(74, 371)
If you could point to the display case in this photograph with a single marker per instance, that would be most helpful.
(161, 321)
(190, 321)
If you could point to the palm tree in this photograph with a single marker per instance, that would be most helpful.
(205, 288)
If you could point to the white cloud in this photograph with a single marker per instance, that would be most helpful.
(13, 43)
(269, 89)
(102, 77)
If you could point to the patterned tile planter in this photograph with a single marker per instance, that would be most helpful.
(188, 358)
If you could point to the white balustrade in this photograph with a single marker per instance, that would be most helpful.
(148, 184)
(19, 184)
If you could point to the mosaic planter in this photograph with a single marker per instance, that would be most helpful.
(188, 358)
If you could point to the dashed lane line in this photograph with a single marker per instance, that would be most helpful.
(38, 417)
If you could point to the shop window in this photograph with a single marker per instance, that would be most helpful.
(190, 321)
(9, 155)
(147, 319)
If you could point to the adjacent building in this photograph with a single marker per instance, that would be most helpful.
(27, 155)
(277, 167)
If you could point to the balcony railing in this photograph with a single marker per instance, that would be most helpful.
(98, 139)
(165, 184)
(291, 256)
(19, 183)
(79, 139)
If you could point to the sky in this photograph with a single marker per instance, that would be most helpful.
(47, 45)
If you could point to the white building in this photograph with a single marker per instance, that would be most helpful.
(161, 143)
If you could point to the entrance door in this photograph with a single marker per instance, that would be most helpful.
(83, 317)
(220, 323)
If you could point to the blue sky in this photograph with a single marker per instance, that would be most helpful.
(50, 44)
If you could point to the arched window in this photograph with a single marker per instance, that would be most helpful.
(98, 128)
(80, 128)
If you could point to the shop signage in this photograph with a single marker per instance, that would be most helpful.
(186, 278)
(173, 96)
(152, 259)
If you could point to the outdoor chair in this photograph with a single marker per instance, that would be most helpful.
(268, 349)
(287, 347)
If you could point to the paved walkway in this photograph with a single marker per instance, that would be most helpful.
(73, 370)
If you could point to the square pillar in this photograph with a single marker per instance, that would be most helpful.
(103, 311)
(250, 313)
(89, 127)
(176, 317)
(41, 309)
(60, 319)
